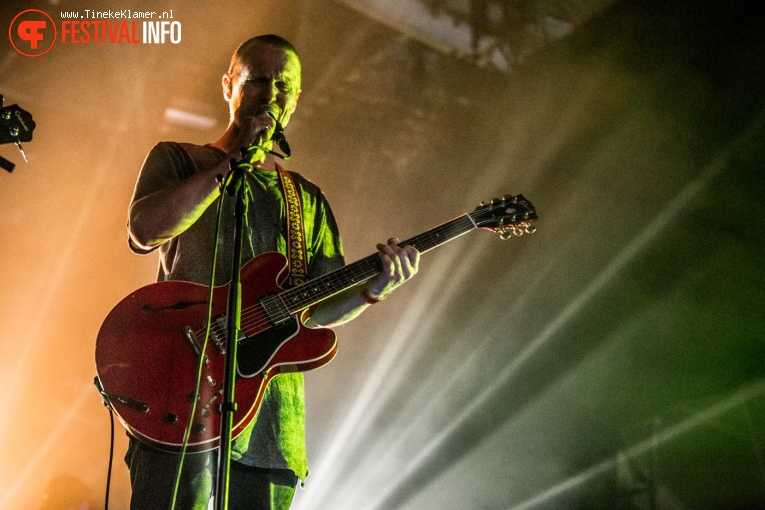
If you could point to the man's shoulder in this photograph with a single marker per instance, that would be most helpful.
(196, 151)
(189, 148)
(187, 155)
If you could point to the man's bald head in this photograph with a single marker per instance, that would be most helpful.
(244, 51)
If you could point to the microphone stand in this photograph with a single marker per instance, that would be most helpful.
(235, 185)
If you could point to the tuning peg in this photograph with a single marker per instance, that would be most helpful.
(509, 231)
(527, 227)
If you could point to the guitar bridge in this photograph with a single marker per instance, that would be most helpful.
(218, 334)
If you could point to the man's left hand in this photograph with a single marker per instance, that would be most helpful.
(400, 263)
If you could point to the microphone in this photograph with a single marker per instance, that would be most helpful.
(266, 108)
(278, 135)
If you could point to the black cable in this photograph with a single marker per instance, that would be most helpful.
(111, 458)
(108, 405)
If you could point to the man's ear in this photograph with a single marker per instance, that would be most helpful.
(228, 85)
(297, 99)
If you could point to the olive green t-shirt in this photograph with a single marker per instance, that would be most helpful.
(276, 439)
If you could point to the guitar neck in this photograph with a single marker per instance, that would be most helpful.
(318, 289)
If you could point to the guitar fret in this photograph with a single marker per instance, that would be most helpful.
(441, 234)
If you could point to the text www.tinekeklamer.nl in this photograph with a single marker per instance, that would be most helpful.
(119, 27)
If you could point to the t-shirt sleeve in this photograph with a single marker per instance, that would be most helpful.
(163, 167)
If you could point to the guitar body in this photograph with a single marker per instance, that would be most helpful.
(147, 362)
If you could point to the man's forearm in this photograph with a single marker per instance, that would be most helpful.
(399, 264)
(338, 309)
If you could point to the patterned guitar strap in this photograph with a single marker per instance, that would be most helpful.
(296, 250)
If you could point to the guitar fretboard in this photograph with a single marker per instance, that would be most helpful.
(318, 289)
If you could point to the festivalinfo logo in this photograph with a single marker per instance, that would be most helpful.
(34, 32)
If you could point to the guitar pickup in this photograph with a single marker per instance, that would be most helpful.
(194, 343)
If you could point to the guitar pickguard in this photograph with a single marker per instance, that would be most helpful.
(255, 351)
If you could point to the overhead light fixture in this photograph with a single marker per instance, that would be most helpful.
(188, 119)
(189, 113)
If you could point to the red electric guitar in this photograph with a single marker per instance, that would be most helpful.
(149, 346)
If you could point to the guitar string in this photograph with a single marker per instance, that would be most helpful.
(300, 298)
(256, 316)
(425, 241)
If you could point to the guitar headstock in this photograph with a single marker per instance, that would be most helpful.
(509, 216)
(16, 125)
